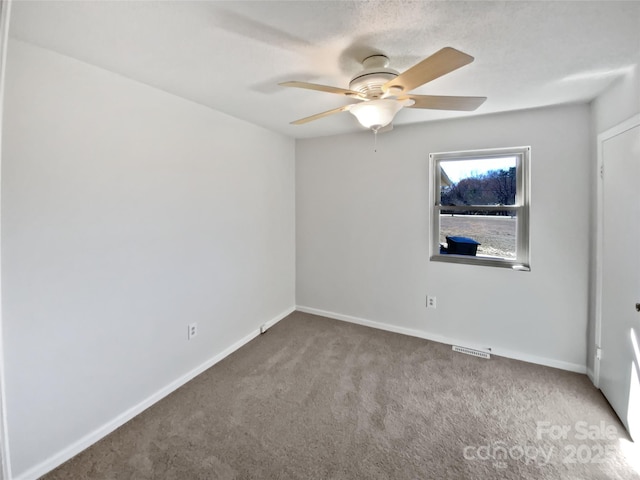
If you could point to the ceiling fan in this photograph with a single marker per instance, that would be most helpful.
(382, 92)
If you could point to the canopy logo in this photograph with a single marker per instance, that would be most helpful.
(500, 453)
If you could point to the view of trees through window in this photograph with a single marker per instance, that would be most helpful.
(495, 187)
(480, 183)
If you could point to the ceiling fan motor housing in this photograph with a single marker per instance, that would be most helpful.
(369, 82)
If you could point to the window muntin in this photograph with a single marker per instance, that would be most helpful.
(482, 196)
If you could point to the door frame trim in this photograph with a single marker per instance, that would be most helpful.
(628, 124)
(5, 462)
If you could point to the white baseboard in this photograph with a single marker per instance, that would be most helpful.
(101, 432)
(525, 357)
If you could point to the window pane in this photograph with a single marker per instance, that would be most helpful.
(496, 234)
(486, 181)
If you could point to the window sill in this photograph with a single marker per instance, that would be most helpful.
(482, 261)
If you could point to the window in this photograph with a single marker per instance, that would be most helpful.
(480, 212)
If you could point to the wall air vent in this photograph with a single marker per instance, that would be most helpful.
(470, 351)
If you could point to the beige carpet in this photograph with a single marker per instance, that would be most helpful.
(315, 398)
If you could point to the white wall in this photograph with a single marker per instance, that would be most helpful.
(362, 236)
(618, 103)
(127, 213)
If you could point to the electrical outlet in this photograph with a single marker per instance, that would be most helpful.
(431, 302)
(193, 330)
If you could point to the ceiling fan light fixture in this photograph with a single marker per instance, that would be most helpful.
(376, 113)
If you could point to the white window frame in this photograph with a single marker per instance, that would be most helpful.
(521, 207)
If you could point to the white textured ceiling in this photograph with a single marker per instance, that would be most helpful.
(230, 55)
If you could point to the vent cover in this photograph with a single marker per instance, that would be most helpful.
(470, 351)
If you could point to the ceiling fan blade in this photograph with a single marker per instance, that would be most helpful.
(321, 88)
(320, 115)
(440, 63)
(436, 102)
